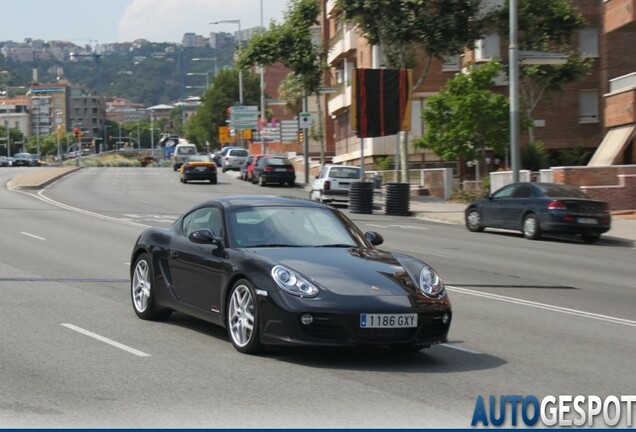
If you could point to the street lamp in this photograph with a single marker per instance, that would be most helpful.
(240, 73)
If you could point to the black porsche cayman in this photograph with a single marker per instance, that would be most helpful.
(281, 271)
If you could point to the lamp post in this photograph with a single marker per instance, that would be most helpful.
(262, 76)
(240, 73)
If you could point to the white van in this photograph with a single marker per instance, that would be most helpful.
(182, 151)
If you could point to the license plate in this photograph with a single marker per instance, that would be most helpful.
(388, 320)
(587, 221)
(281, 169)
(201, 168)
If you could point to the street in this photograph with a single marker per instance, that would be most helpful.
(531, 318)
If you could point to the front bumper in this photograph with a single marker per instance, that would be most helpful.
(283, 326)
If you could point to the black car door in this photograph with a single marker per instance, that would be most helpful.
(198, 273)
(495, 207)
(516, 206)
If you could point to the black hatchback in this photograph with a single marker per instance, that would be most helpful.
(537, 208)
(274, 169)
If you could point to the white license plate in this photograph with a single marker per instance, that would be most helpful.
(588, 221)
(201, 168)
(388, 320)
(281, 169)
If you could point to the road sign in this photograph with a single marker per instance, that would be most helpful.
(244, 117)
(304, 120)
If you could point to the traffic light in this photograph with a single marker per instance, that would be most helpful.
(301, 137)
(78, 133)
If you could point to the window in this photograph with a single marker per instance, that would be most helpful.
(487, 48)
(203, 218)
(588, 42)
(451, 63)
(588, 106)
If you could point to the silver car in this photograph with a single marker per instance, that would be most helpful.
(233, 159)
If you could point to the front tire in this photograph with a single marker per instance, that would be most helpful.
(142, 292)
(473, 221)
(531, 229)
(242, 318)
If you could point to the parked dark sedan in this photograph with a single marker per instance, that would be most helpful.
(198, 167)
(537, 208)
(273, 169)
(281, 271)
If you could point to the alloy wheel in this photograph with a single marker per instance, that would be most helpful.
(241, 316)
(141, 286)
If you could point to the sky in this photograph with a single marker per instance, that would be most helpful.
(106, 21)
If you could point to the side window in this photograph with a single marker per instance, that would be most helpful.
(203, 218)
(506, 192)
(523, 191)
(323, 173)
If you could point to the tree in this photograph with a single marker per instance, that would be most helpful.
(466, 117)
(545, 26)
(406, 29)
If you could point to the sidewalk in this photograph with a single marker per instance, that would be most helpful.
(421, 207)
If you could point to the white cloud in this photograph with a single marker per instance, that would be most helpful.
(168, 20)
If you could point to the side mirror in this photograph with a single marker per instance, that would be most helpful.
(206, 236)
(374, 238)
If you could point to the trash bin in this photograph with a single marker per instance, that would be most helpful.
(397, 199)
(361, 197)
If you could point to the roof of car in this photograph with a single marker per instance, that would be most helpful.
(233, 202)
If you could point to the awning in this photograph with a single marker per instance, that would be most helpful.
(614, 143)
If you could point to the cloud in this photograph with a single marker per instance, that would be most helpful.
(168, 20)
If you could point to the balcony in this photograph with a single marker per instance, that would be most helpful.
(620, 14)
(620, 103)
(342, 44)
(341, 99)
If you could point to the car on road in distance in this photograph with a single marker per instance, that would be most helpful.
(250, 168)
(4, 161)
(198, 167)
(332, 183)
(22, 159)
(218, 155)
(538, 208)
(246, 164)
(233, 159)
(278, 271)
(274, 169)
(36, 160)
(182, 151)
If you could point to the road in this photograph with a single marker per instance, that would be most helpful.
(533, 318)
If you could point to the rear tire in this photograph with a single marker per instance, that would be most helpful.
(142, 291)
(213, 180)
(261, 181)
(530, 228)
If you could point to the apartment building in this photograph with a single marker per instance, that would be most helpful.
(618, 79)
(576, 117)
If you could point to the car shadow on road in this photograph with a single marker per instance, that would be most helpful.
(446, 358)
(605, 240)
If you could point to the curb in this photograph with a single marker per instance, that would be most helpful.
(40, 179)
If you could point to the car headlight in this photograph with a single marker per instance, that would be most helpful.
(430, 282)
(292, 283)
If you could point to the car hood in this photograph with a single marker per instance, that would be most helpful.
(346, 271)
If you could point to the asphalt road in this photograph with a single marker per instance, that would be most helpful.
(532, 318)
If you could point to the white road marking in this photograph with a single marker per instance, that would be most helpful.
(32, 235)
(458, 348)
(553, 308)
(406, 227)
(106, 340)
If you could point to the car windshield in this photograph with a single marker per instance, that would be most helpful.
(562, 191)
(278, 161)
(289, 226)
(199, 158)
(186, 150)
(238, 153)
(345, 172)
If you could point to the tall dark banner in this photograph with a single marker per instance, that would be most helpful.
(381, 102)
